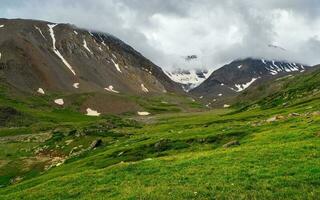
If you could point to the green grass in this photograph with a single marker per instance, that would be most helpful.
(173, 154)
(180, 156)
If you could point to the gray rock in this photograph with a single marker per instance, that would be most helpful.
(231, 144)
(96, 144)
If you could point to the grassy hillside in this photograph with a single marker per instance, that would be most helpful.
(270, 151)
(283, 91)
(183, 156)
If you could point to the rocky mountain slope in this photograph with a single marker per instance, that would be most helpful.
(233, 78)
(38, 56)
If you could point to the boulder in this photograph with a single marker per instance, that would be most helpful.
(294, 114)
(96, 144)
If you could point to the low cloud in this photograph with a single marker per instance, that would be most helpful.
(216, 31)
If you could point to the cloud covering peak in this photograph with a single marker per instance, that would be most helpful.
(166, 31)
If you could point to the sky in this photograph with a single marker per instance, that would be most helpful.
(217, 31)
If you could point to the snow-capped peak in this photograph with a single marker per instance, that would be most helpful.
(189, 78)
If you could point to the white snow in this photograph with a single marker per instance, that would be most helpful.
(41, 91)
(222, 84)
(110, 89)
(241, 87)
(274, 64)
(214, 100)
(189, 78)
(59, 101)
(55, 50)
(40, 32)
(100, 48)
(91, 112)
(263, 61)
(114, 56)
(86, 46)
(75, 32)
(1, 26)
(76, 85)
(201, 97)
(90, 33)
(220, 95)
(226, 106)
(239, 66)
(143, 113)
(116, 66)
(144, 89)
(0, 56)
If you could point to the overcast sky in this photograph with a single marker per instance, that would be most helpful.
(217, 31)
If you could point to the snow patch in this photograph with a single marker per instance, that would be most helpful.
(190, 78)
(226, 106)
(75, 32)
(1, 26)
(110, 89)
(143, 113)
(144, 89)
(116, 66)
(239, 67)
(40, 32)
(91, 112)
(241, 87)
(59, 101)
(86, 46)
(76, 85)
(55, 50)
(41, 91)
(0, 56)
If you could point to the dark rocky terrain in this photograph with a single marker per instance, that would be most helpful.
(64, 58)
(234, 78)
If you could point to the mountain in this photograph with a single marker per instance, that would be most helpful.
(189, 78)
(233, 78)
(64, 58)
(284, 91)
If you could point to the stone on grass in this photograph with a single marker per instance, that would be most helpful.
(96, 144)
(231, 144)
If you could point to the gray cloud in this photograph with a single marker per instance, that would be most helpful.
(167, 30)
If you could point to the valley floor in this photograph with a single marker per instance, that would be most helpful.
(257, 154)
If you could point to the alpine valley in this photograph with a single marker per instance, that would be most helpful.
(83, 115)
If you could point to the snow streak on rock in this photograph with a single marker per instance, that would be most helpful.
(86, 46)
(56, 51)
(144, 89)
(76, 85)
(40, 32)
(241, 87)
(116, 66)
(110, 89)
